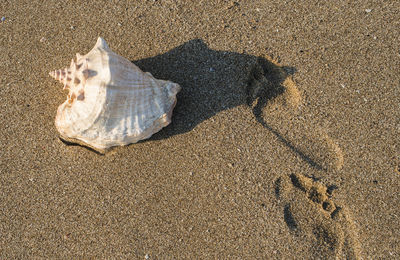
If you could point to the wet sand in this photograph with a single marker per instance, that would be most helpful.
(284, 143)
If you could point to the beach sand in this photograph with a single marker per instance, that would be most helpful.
(284, 143)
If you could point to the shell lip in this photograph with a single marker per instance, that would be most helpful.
(75, 142)
(102, 148)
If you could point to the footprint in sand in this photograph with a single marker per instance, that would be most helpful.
(315, 219)
(270, 84)
(275, 98)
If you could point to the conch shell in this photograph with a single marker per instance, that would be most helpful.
(111, 101)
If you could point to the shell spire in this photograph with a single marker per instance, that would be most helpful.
(74, 75)
(62, 76)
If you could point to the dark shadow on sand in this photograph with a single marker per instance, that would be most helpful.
(213, 81)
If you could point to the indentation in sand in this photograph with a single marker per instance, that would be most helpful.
(272, 93)
(317, 144)
(270, 85)
(314, 218)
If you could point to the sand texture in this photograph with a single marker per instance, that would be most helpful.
(284, 143)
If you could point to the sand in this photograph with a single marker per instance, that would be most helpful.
(284, 142)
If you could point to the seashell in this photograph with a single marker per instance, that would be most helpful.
(111, 101)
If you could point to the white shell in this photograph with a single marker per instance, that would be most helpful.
(111, 101)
